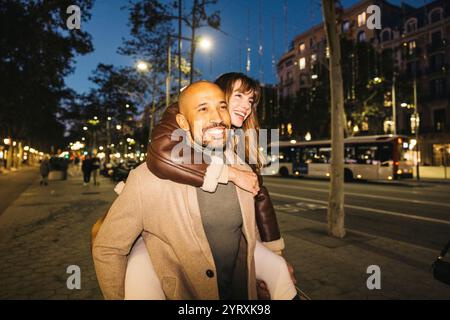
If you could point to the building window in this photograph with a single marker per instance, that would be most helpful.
(436, 38)
(411, 25)
(437, 87)
(411, 47)
(346, 26)
(302, 63)
(362, 19)
(386, 35)
(289, 77)
(313, 57)
(327, 52)
(436, 62)
(361, 36)
(288, 63)
(439, 119)
(436, 15)
(302, 47)
(303, 79)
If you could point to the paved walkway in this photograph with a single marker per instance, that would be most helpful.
(46, 230)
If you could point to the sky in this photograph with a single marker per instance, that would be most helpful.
(240, 19)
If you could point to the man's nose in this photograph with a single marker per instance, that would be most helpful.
(216, 116)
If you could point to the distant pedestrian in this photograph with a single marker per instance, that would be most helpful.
(44, 170)
(86, 167)
(95, 169)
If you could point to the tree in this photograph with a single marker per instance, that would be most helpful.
(35, 56)
(335, 215)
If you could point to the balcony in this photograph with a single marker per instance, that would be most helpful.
(444, 128)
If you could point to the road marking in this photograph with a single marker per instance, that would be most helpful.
(385, 212)
(386, 187)
(447, 205)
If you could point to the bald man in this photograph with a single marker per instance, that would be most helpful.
(201, 244)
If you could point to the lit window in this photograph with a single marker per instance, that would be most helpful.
(361, 19)
(346, 26)
(411, 47)
(302, 63)
(302, 47)
(361, 36)
(327, 52)
(314, 57)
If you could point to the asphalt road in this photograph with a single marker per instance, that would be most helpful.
(416, 213)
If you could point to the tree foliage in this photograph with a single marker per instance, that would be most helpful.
(36, 53)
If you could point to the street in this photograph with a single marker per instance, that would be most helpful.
(417, 213)
(398, 227)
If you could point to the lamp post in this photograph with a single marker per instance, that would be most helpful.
(416, 127)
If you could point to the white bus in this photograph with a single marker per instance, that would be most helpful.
(383, 157)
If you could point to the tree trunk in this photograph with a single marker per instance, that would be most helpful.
(336, 213)
(180, 9)
(193, 42)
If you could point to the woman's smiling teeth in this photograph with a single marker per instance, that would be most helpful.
(240, 114)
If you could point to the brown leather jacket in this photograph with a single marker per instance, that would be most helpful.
(160, 164)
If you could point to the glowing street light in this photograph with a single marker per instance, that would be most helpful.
(142, 66)
(85, 128)
(308, 136)
(7, 141)
(118, 127)
(127, 106)
(205, 43)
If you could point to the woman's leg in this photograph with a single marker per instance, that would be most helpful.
(141, 281)
(272, 269)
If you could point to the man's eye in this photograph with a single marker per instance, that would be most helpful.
(202, 109)
(238, 95)
(223, 107)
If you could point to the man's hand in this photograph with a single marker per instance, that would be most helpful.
(245, 180)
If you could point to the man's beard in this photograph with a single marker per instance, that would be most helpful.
(210, 144)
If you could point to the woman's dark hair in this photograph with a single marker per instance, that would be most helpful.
(227, 80)
(226, 83)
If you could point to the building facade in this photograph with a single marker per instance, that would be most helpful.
(417, 39)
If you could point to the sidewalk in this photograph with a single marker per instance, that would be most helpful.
(330, 268)
(47, 229)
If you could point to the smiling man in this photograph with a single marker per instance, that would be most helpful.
(199, 249)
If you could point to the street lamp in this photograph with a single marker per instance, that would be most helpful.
(205, 43)
(142, 66)
(308, 136)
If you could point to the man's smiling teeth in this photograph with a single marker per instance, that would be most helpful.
(215, 131)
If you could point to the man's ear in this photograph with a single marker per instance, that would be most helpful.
(182, 122)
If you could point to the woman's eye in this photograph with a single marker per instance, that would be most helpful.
(224, 107)
(202, 109)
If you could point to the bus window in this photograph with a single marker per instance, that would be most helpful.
(309, 155)
(366, 154)
(324, 155)
(350, 156)
(385, 153)
(285, 154)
